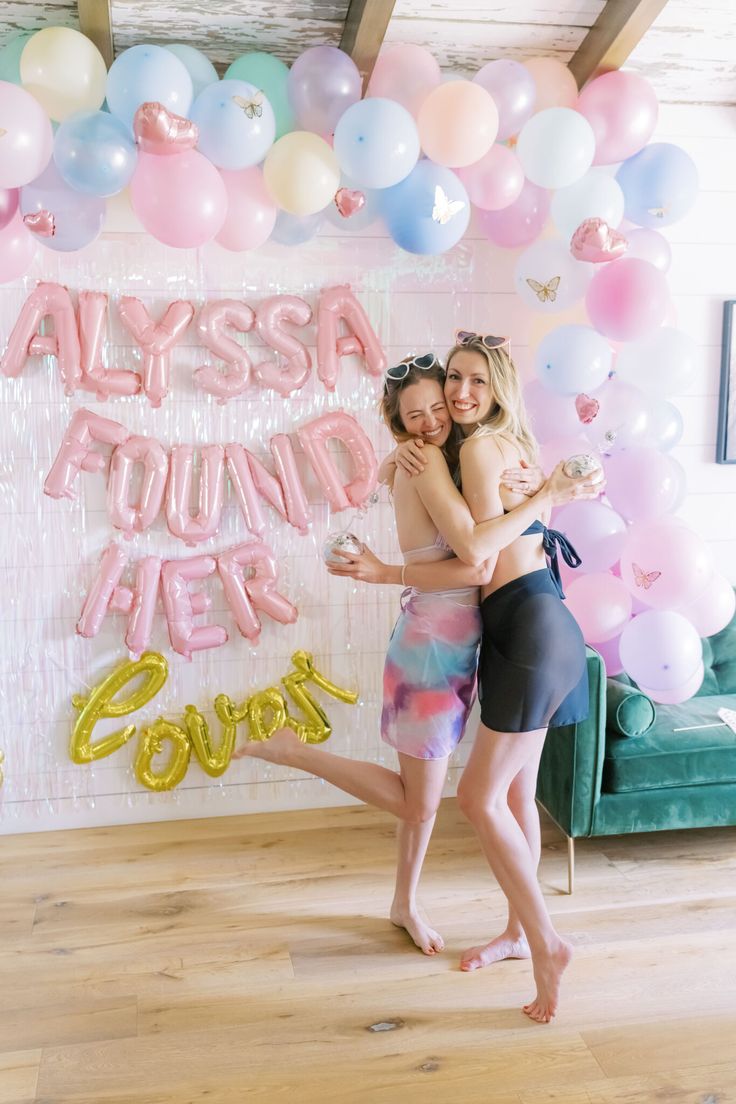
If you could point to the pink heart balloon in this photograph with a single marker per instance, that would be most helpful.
(595, 241)
(157, 130)
(41, 223)
(348, 202)
(587, 408)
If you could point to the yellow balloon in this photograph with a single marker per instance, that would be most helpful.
(212, 762)
(301, 172)
(304, 661)
(100, 704)
(64, 71)
(151, 743)
(265, 702)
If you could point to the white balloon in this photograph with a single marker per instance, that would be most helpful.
(663, 363)
(595, 195)
(556, 147)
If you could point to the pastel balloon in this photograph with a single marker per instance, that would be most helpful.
(343, 427)
(601, 605)
(642, 483)
(258, 592)
(595, 241)
(27, 141)
(193, 529)
(17, 249)
(659, 183)
(713, 609)
(457, 123)
(556, 147)
(64, 71)
(595, 195)
(199, 67)
(155, 463)
(376, 143)
(649, 245)
(252, 481)
(495, 181)
(622, 418)
(323, 83)
(158, 130)
(550, 414)
(95, 153)
(560, 448)
(609, 653)
(555, 84)
(212, 326)
(665, 564)
(548, 278)
(47, 300)
(663, 363)
(271, 76)
(99, 595)
(156, 340)
(338, 305)
(142, 604)
(8, 205)
(251, 212)
(145, 74)
(573, 359)
(76, 453)
(627, 300)
(514, 93)
(295, 229)
(521, 222)
(595, 531)
(429, 211)
(665, 425)
(236, 124)
(302, 172)
(180, 200)
(661, 650)
(77, 218)
(622, 109)
(677, 694)
(293, 372)
(92, 314)
(182, 606)
(10, 56)
(406, 74)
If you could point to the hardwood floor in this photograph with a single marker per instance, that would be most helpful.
(250, 959)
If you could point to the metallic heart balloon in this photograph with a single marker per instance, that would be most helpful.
(41, 223)
(159, 131)
(349, 202)
(586, 408)
(595, 241)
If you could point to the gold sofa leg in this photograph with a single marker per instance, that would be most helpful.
(570, 864)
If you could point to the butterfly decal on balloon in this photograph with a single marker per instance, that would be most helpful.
(644, 579)
(657, 212)
(252, 109)
(41, 223)
(545, 293)
(444, 208)
(158, 130)
(595, 241)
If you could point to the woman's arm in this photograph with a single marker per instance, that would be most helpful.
(437, 575)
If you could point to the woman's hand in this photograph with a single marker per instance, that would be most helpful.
(526, 479)
(563, 488)
(364, 566)
(409, 456)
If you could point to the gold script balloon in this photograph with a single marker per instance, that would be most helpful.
(100, 704)
(152, 741)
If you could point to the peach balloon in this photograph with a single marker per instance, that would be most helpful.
(457, 122)
(556, 86)
(406, 74)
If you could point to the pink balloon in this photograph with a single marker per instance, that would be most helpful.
(495, 181)
(641, 483)
(245, 596)
(251, 213)
(252, 481)
(597, 242)
(136, 450)
(596, 532)
(99, 595)
(294, 373)
(665, 564)
(622, 109)
(627, 300)
(158, 130)
(406, 74)
(514, 93)
(181, 524)
(143, 604)
(92, 335)
(649, 245)
(181, 200)
(519, 223)
(661, 649)
(600, 604)
(609, 653)
(314, 437)
(562, 448)
(298, 513)
(336, 305)
(713, 608)
(76, 454)
(27, 138)
(555, 84)
(182, 606)
(17, 249)
(156, 340)
(106, 595)
(8, 205)
(214, 318)
(680, 693)
(550, 413)
(46, 300)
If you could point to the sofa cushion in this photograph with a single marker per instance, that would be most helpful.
(629, 712)
(664, 757)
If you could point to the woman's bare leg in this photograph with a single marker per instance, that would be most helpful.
(496, 759)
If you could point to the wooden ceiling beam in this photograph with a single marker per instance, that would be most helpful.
(614, 35)
(365, 27)
(95, 21)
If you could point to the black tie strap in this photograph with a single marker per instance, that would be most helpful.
(552, 541)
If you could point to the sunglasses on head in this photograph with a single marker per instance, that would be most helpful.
(401, 371)
(464, 337)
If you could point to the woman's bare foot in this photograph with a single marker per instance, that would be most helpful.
(548, 970)
(427, 939)
(282, 747)
(507, 945)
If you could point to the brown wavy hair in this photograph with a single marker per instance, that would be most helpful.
(389, 406)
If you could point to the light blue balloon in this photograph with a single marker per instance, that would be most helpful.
(295, 229)
(145, 74)
(199, 67)
(236, 124)
(271, 75)
(429, 211)
(377, 143)
(78, 218)
(659, 183)
(95, 153)
(10, 57)
(573, 359)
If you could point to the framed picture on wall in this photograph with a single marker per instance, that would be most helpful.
(726, 439)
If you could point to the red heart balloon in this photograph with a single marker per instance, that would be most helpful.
(595, 241)
(41, 223)
(157, 130)
(348, 201)
(587, 408)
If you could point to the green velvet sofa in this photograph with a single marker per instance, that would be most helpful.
(635, 767)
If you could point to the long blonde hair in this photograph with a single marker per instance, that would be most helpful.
(507, 415)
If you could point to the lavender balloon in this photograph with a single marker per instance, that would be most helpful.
(596, 532)
(513, 90)
(642, 483)
(77, 217)
(660, 649)
(323, 83)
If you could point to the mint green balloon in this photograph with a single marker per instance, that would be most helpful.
(10, 58)
(269, 75)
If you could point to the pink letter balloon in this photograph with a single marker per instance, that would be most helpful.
(214, 318)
